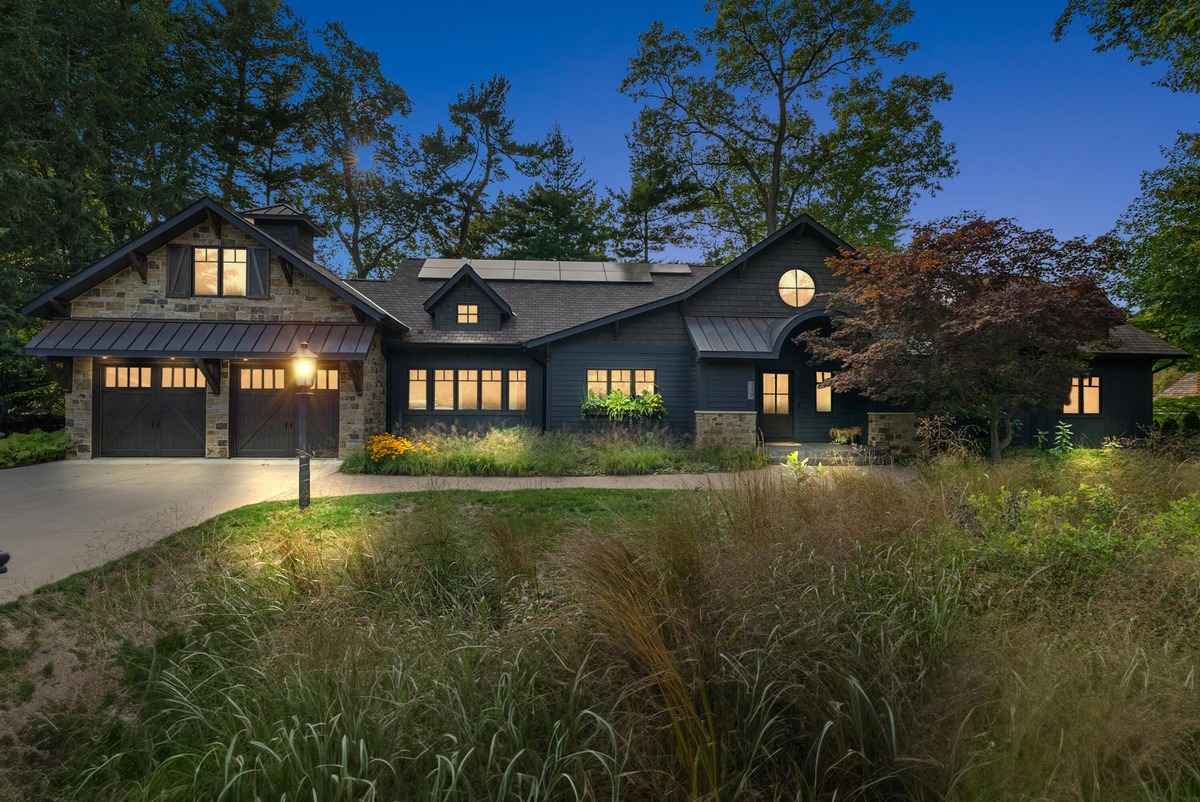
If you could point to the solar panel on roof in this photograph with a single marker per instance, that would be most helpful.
(670, 269)
(548, 270)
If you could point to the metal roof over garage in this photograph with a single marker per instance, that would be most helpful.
(200, 339)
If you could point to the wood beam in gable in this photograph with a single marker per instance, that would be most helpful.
(288, 271)
(59, 307)
(138, 262)
(215, 222)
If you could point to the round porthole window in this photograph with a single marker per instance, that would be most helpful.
(796, 288)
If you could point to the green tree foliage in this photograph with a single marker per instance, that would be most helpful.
(461, 165)
(976, 317)
(745, 102)
(350, 111)
(662, 203)
(1150, 30)
(559, 217)
(247, 59)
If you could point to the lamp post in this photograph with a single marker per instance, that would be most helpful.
(304, 374)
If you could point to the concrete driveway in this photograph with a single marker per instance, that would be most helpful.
(59, 518)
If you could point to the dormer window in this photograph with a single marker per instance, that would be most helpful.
(219, 271)
(468, 314)
(796, 288)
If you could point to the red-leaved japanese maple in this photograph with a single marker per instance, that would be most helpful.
(978, 317)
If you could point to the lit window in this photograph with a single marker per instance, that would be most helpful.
(233, 271)
(621, 380)
(796, 288)
(491, 382)
(443, 389)
(516, 390)
(468, 389)
(597, 382)
(418, 389)
(775, 395)
(643, 381)
(181, 378)
(127, 378)
(207, 265)
(824, 394)
(327, 379)
(1084, 398)
(262, 379)
(468, 313)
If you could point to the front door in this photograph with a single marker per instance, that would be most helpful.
(775, 410)
(264, 412)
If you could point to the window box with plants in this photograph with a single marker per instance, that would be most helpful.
(617, 407)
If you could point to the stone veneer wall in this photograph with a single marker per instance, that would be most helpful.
(124, 295)
(360, 416)
(727, 429)
(894, 434)
(79, 410)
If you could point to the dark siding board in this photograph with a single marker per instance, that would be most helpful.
(655, 340)
(445, 314)
(753, 290)
(722, 386)
(1126, 405)
(399, 362)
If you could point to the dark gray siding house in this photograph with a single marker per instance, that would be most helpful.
(178, 343)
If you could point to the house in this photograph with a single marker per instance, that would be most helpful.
(1185, 386)
(178, 343)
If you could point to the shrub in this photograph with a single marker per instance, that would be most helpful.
(1190, 423)
(618, 407)
(846, 435)
(33, 447)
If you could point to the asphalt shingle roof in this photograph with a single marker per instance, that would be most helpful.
(1186, 385)
(540, 307)
(1129, 340)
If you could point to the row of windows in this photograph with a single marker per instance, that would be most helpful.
(467, 389)
(219, 271)
(125, 377)
(777, 395)
(276, 379)
(630, 382)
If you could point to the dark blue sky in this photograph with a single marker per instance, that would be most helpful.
(1053, 134)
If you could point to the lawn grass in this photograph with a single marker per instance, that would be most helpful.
(31, 448)
(1021, 631)
(521, 451)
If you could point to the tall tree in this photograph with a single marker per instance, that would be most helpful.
(559, 217)
(1151, 30)
(350, 112)
(248, 57)
(745, 99)
(975, 316)
(662, 203)
(462, 165)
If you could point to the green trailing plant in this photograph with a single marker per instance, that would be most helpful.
(621, 408)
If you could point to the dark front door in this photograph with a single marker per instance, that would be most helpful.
(151, 410)
(775, 406)
(264, 413)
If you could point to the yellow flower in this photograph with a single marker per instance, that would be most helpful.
(385, 446)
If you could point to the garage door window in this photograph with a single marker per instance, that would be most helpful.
(263, 379)
(181, 378)
(122, 378)
(327, 379)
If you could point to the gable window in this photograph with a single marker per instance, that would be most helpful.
(796, 288)
(468, 389)
(516, 390)
(824, 394)
(181, 378)
(492, 387)
(219, 271)
(468, 313)
(418, 389)
(443, 389)
(1084, 398)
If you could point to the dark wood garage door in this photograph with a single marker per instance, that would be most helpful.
(151, 411)
(264, 412)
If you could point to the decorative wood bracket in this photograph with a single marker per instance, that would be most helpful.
(62, 369)
(362, 317)
(59, 307)
(211, 368)
(355, 369)
(288, 270)
(139, 264)
(215, 222)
